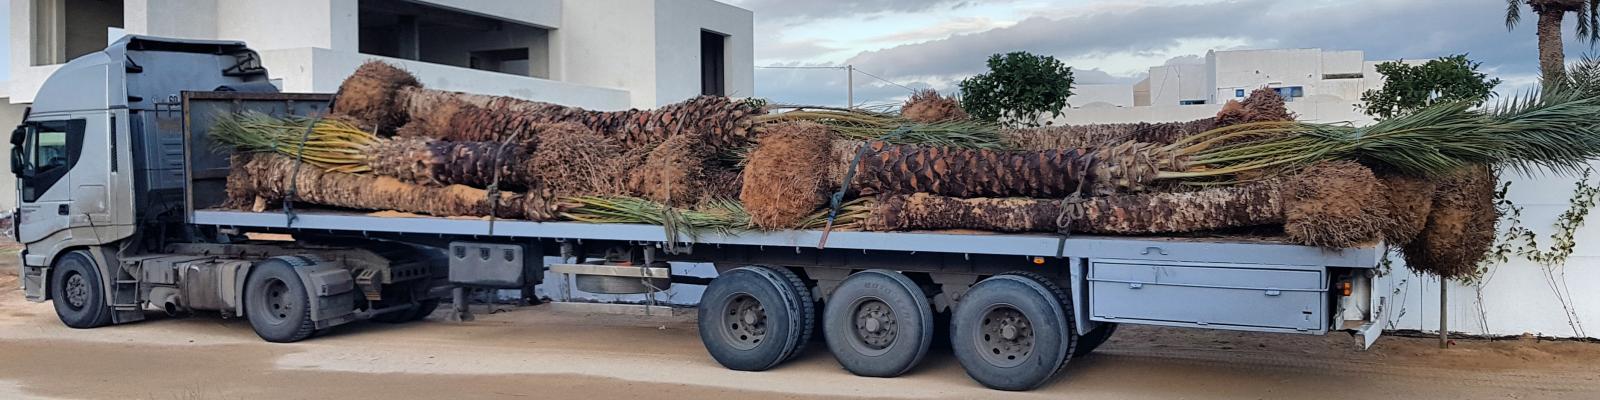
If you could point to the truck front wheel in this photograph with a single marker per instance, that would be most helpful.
(77, 292)
(753, 318)
(276, 302)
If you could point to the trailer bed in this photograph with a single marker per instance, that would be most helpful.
(1250, 251)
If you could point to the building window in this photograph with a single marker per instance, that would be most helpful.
(67, 29)
(1238, 93)
(1191, 102)
(1356, 75)
(713, 73)
(417, 31)
(1290, 92)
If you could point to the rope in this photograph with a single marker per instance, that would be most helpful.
(836, 201)
(1072, 206)
(494, 183)
(294, 175)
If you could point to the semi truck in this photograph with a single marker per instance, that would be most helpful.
(122, 210)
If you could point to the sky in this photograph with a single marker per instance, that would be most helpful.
(936, 43)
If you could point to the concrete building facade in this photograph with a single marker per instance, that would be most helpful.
(1320, 85)
(597, 54)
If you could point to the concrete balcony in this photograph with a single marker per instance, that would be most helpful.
(313, 69)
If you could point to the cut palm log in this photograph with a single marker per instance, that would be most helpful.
(270, 177)
(905, 169)
(1302, 201)
(385, 98)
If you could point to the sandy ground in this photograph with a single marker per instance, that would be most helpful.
(536, 353)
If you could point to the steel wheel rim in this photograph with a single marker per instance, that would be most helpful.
(1005, 336)
(77, 290)
(743, 321)
(874, 328)
(278, 301)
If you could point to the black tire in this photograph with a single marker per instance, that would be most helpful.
(1012, 332)
(767, 321)
(1092, 340)
(1065, 298)
(899, 324)
(424, 309)
(276, 302)
(396, 317)
(808, 310)
(78, 293)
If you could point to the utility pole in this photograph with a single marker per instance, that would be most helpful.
(850, 86)
(1444, 328)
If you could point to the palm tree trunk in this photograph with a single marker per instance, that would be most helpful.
(1552, 56)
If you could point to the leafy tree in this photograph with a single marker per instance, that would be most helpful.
(1408, 88)
(1552, 57)
(1019, 89)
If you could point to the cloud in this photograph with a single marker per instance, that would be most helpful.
(1099, 39)
(1138, 29)
(810, 10)
(941, 30)
(779, 49)
(1094, 76)
(1189, 59)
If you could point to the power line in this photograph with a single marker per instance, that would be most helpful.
(886, 80)
(797, 67)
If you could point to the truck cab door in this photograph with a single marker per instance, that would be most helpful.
(42, 161)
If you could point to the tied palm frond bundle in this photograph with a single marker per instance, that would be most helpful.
(866, 125)
(332, 144)
(682, 225)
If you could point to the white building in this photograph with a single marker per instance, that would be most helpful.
(1319, 85)
(598, 54)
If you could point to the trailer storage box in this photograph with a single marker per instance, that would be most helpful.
(1249, 297)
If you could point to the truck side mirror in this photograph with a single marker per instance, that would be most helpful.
(18, 163)
(18, 135)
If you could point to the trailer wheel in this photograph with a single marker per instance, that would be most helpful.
(1092, 340)
(276, 302)
(753, 318)
(75, 288)
(1012, 332)
(878, 323)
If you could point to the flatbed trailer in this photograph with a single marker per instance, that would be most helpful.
(1018, 307)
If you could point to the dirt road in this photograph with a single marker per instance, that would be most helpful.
(537, 353)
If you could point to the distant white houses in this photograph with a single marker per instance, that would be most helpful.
(1320, 85)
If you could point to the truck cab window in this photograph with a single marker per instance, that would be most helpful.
(52, 148)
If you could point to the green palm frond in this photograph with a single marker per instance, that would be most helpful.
(1555, 130)
(331, 144)
(869, 125)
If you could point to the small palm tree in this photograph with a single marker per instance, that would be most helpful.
(1552, 58)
